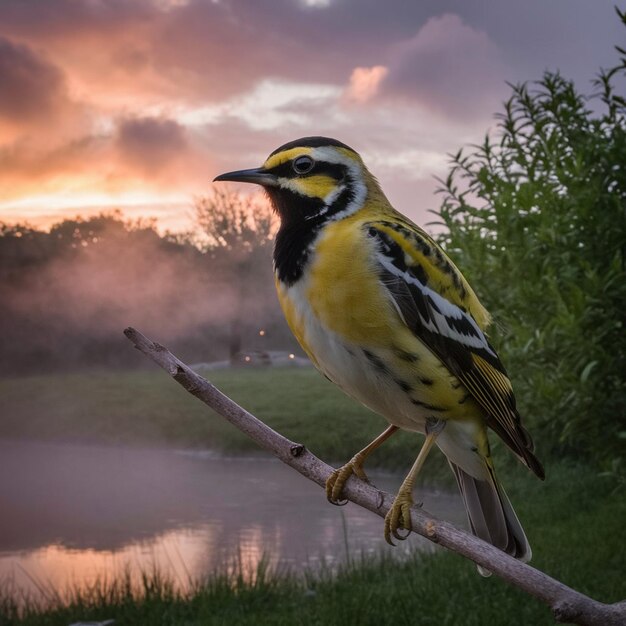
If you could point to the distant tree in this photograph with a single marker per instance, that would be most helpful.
(238, 231)
(536, 217)
(67, 294)
(231, 221)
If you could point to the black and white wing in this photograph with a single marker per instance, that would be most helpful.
(417, 274)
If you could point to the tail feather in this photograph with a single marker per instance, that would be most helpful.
(491, 516)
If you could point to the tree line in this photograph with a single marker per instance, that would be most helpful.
(67, 293)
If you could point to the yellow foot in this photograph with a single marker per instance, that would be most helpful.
(399, 516)
(336, 481)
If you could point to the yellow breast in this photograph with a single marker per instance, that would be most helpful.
(339, 309)
(343, 287)
(339, 290)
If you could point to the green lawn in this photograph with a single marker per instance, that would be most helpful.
(148, 407)
(575, 522)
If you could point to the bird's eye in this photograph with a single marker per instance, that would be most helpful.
(303, 165)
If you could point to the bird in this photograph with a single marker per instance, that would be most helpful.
(384, 313)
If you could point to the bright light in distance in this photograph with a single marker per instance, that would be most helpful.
(247, 359)
(262, 333)
(292, 356)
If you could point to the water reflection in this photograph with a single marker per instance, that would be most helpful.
(72, 514)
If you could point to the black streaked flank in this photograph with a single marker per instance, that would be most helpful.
(423, 316)
(428, 407)
(409, 357)
(403, 385)
(427, 247)
(377, 362)
(418, 308)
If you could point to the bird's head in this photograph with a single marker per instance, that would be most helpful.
(311, 180)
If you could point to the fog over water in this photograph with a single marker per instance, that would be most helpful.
(75, 513)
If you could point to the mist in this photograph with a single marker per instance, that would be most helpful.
(67, 294)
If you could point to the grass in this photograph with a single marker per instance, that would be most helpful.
(146, 407)
(575, 522)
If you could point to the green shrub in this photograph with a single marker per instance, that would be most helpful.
(536, 219)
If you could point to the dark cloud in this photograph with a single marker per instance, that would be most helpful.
(574, 36)
(50, 20)
(30, 86)
(212, 50)
(151, 143)
(215, 50)
(447, 65)
(22, 159)
(208, 51)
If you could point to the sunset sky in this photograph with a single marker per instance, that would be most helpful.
(138, 104)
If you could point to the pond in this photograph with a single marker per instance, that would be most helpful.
(72, 514)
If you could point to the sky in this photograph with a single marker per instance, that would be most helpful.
(138, 104)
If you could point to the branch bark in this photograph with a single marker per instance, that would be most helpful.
(567, 605)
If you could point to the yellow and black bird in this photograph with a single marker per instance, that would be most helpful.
(385, 315)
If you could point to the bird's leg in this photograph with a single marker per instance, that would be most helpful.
(399, 515)
(338, 478)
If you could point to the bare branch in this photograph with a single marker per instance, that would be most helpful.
(567, 605)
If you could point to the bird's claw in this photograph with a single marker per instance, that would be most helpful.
(398, 517)
(337, 480)
(397, 535)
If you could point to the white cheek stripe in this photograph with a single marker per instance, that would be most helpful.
(328, 200)
(333, 195)
(360, 193)
(440, 324)
(355, 173)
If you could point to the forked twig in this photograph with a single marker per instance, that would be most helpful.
(567, 605)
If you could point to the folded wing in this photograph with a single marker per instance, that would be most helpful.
(436, 304)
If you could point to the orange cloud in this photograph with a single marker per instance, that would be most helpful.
(365, 82)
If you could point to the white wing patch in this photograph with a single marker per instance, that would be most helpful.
(442, 312)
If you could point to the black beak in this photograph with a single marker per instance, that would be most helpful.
(257, 175)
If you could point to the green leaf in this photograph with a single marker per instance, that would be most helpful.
(587, 371)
